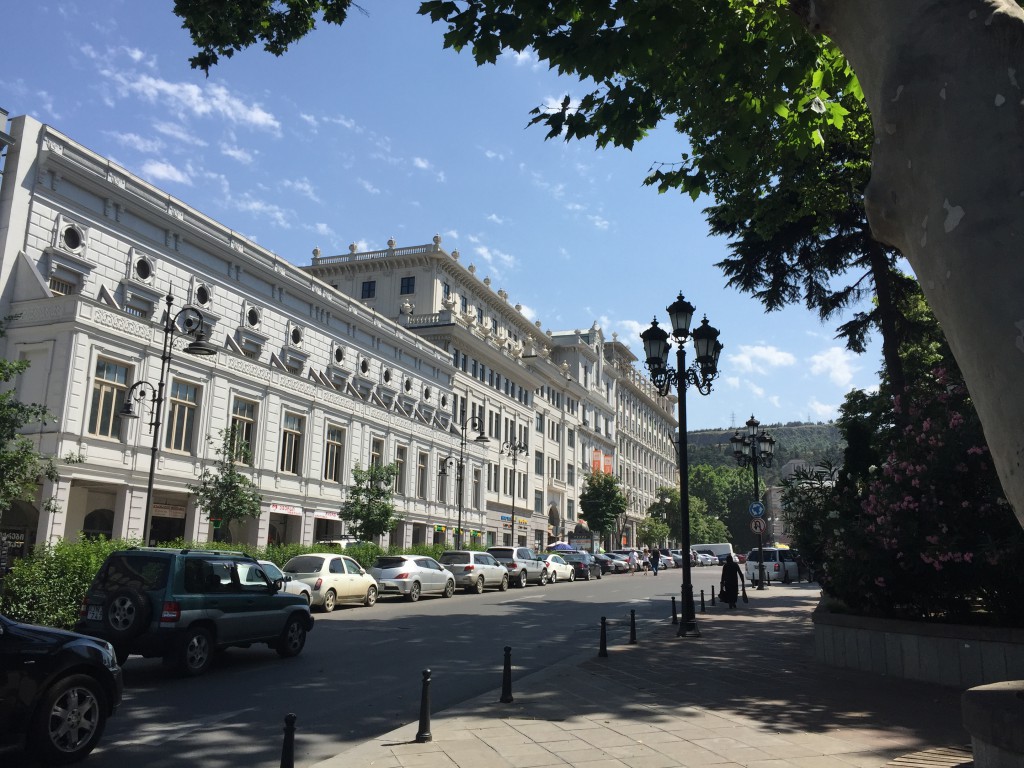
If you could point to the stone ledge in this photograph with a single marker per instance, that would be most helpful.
(994, 715)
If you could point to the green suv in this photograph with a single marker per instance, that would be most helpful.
(182, 605)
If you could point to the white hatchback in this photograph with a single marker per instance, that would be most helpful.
(332, 578)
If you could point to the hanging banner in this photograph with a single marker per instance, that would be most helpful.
(596, 460)
(608, 464)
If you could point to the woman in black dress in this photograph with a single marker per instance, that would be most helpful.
(731, 576)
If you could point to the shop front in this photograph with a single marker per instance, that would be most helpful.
(285, 525)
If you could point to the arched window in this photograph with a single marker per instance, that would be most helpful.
(99, 522)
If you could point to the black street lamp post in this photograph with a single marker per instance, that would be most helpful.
(514, 449)
(704, 370)
(754, 449)
(460, 465)
(192, 324)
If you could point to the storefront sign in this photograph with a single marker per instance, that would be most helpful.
(169, 510)
(285, 509)
(326, 515)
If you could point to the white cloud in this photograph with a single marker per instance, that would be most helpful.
(495, 218)
(490, 154)
(160, 170)
(452, 233)
(757, 358)
(368, 187)
(755, 389)
(324, 229)
(528, 312)
(304, 187)
(264, 210)
(136, 142)
(775, 400)
(520, 58)
(836, 363)
(309, 120)
(822, 410)
(236, 153)
(574, 207)
(423, 165)
(733, 382)
(179, 133)
(598, 221)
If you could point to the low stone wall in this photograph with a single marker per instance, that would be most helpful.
(947, 654)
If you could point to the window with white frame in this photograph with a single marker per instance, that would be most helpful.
(108, 391)
(401, 459)
(334, 454)
(421, 475)
(291, 443)
(243, 427)
(376, 452)
(181, 416)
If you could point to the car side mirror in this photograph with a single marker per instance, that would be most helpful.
(362, 571)
(278, 584)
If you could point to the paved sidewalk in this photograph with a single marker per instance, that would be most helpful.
(747, 692)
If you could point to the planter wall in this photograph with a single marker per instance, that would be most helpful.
(946, 654)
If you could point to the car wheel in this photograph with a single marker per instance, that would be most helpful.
(371, 596)
(293, 638)
(127, 613)
(587, 577)
(522, 580)
(479, 586)
(196, 651)
(553, 578)
(503, 587)
(600, 574)
(309, 599)
(330, 600)
(69, 721)
(543, 578)
(414, 592)
(572, 575)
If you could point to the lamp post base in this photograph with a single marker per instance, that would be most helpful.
(688, 621)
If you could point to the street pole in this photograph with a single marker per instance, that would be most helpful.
(460, 467)
(760, 537)
(689, 622)
(757, 450)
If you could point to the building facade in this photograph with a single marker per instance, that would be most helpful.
(399, 356)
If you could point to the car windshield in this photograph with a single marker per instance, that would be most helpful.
(304, 564)
(455, 558)
(389, 562)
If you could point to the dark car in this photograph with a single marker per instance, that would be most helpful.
(182, 605)
(583, 564)
(57, 690)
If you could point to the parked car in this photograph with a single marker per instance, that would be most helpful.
(558, 568)
(475, 571)
(616, 563)
(677, 557)
(412, 576)
(57, 690)
(585, 565)
(183, 604)
(333, 579)
(779, 565)
(667, 560)
(705, 558)
(524, 565)
(288, 584)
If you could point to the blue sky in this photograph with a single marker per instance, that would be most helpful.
(372, 131)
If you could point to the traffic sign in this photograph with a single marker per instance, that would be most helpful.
(758, 525)
(756, 509)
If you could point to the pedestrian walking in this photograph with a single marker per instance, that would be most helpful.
(632, 562)
(729, 590)
(655, 560)
(646, 561)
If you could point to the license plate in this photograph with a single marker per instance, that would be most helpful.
(95, 613)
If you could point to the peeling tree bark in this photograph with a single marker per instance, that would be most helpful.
(942, 79)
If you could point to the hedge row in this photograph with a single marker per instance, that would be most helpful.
(48, 586)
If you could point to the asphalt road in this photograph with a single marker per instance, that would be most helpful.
(360, 674)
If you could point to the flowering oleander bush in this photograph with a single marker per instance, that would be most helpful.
(925, 533)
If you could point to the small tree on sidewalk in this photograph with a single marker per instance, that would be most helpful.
(602, 502)
(369, 509)
(224, 493)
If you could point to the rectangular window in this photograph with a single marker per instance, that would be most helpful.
(108, 391)
(421, 475)
(446, 291)
(538, 463)
(480, 315)
(538, 502)
(570, 509)
(181, 416)
(442, 484)
(376, 452)
(464, 305)
(570, 438)
(243, 427)
(408, 285)
(477, 496)
(334, 454)
(291, 444)
(540, 423)
(401, 454)
(570, 475)
(369, 290)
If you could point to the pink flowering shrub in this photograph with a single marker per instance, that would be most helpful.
(923, 531)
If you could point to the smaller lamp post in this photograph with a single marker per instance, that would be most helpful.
(460, 463)
(192, 324)
(514, 449)
(700, 375)
(754, 449)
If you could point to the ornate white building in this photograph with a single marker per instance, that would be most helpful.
(402, 355)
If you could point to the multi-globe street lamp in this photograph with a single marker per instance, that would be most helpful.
(192, 323)
(514, 449)
(755, 450)
(459, 463)
(704, 370)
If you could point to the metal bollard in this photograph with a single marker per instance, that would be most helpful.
(603, 652)
(632, 626)
(288, 747)
(423, 734)
(675, 616)
(702, 608)
(712, 598)
(506, 677)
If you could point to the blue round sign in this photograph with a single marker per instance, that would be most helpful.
(756, 509)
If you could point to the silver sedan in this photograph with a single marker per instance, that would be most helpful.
(412, 576)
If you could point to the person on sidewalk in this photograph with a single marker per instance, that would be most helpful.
(632, 562)
(729, 591)
(655, 560)
(646, 561)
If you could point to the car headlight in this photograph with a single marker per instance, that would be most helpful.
(109, 657)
